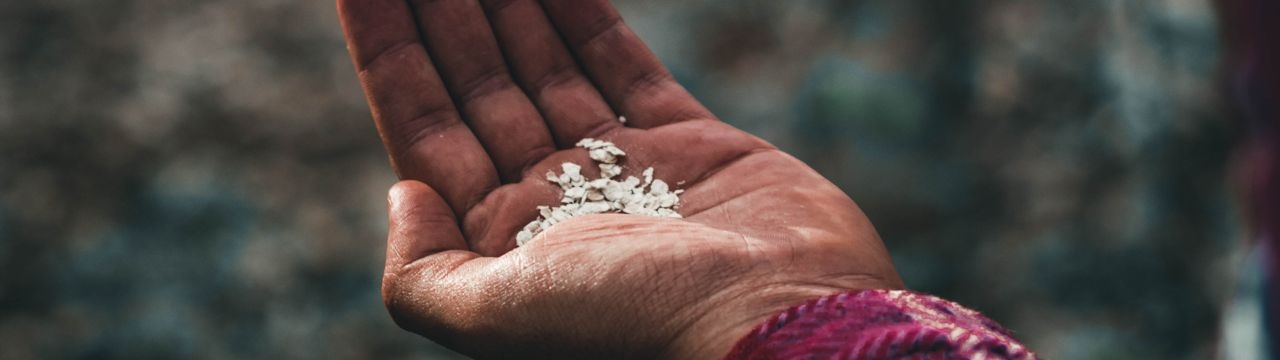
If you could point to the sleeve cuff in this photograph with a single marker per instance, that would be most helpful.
(879, 324)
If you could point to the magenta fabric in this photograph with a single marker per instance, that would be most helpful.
(879, 324)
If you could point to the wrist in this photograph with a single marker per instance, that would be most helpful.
(726, 317)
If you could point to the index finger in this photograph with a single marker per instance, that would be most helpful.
(422, 131)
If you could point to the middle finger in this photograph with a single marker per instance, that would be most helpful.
(459, 38)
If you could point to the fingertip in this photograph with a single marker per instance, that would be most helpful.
(403, 194)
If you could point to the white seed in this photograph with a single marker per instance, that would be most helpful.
(596, 207)
(668, 200)
(658, 187)
(523, 237)
(571, 169)
(582, 196)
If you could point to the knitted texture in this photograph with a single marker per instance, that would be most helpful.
(879, 324)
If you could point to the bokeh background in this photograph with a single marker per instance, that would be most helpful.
(200, 179)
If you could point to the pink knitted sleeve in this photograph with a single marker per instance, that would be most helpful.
(879, 324)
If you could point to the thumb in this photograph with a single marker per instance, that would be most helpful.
(420, 224)
(424, 249)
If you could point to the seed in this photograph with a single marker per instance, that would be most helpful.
(652, 197)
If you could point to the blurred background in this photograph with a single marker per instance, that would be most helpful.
(201, 178)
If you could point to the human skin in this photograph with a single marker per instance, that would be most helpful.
(477, 100)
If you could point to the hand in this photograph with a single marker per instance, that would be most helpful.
(477, 100)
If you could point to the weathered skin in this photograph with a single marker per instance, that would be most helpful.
(476, 101)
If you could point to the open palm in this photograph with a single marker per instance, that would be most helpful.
(477, 100)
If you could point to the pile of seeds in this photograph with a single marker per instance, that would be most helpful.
(650, 197)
